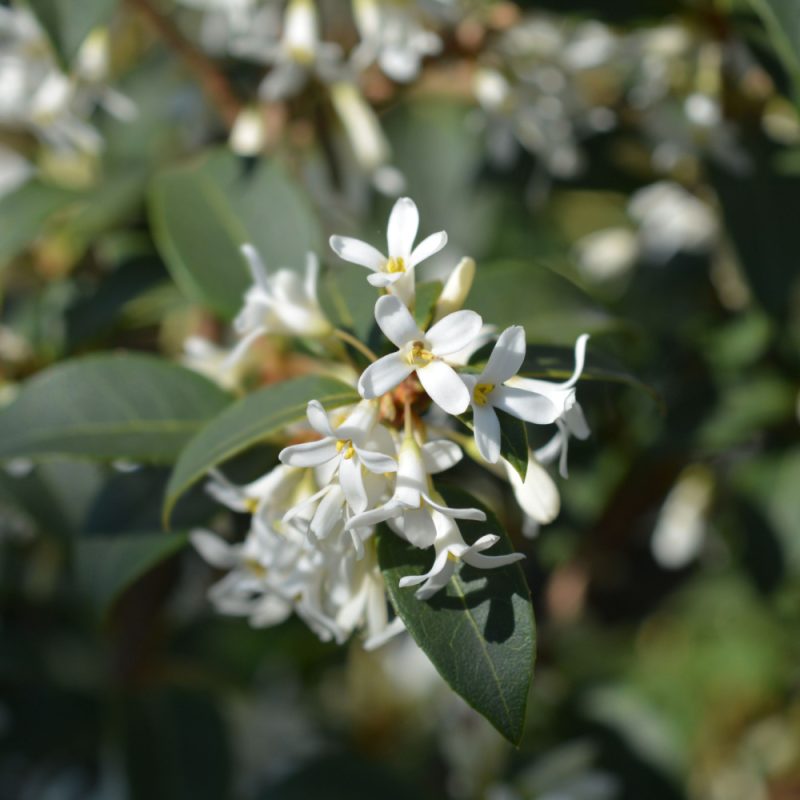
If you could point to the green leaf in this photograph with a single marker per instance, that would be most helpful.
(479, 631)
(25, 211)
(67, 23)
(348, 299)
(253, 419)
(106, 566)
(202, 212)
(782, 21)
(551, 308)
(427, 295)
(110, 406)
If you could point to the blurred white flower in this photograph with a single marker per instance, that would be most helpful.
(283, 303)
(392, 35)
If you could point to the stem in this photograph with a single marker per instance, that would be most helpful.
(353, 342)
(212, 80)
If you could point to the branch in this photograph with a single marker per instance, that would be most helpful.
(211, 79)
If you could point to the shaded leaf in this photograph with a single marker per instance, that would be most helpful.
(427, 295)
(106, 566)
(109, 406)
(202, 212)
(551, 308)
(478, 631)
(253, 419)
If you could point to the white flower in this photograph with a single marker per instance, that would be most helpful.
(451, 549)
(422, 353)
(488, 392)
(283, 303)
(570, 419)
(412, 506)
(455, 289)
(344, 449)
(209, 359)
(370, 145)
(537, 495)
(298, 53)
(391, 34)
(395, 271)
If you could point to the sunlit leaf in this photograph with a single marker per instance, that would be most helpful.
(109, 406)
(479, 631)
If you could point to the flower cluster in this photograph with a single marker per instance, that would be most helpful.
(310, 548)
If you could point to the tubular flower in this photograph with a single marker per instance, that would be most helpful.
(282, 303)
(570, 418)
(395, 271)
(421, 353)
(487, 392)
(412, 506)
(450, 549)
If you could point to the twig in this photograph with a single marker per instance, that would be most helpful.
(212, 80)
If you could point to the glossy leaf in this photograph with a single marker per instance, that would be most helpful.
(513, 440)
(427, 295)
(111, 406)
(479, 631)
(202, 212)
(551, 308)
(252, 420)
(106, 566)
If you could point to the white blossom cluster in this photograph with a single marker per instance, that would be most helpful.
(311, 545)
(38, 97)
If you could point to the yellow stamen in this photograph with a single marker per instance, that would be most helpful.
(258, 569)
(396, 264)
(418, 356)
(481, 393)
(302, 56)
(251, 504)
(347, 446)
(451, 557)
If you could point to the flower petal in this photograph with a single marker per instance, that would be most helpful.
(329, 512)
(382, 280)
(318, 419)
(375, 515)
(426, 248)
(396, 322)
(440, 455)
(376, 462)
(353, 484)
(383, 375)
(507, 356)
(440, 566)
(309, 454)
(453, 332)
(444, 387)
(456, 513)
(215, 550)
(580, 358)
(474, 558)
(487, 432)
(538, 495)
(418, 527)
(256, 265)
(529, 406)
(402, 228)
(357, 252)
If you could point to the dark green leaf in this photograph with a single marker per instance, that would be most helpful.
(478, 631)
(782, 21)
(253, 419)
(427, 295)
(105, 566)
(67, 23)
(513, 440)
(24, 212)
(348, 299)
(550, 308)
(202, 212)
(111, 406)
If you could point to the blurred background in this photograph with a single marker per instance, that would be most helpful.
(627, 169)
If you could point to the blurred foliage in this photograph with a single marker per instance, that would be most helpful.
(667, 628)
